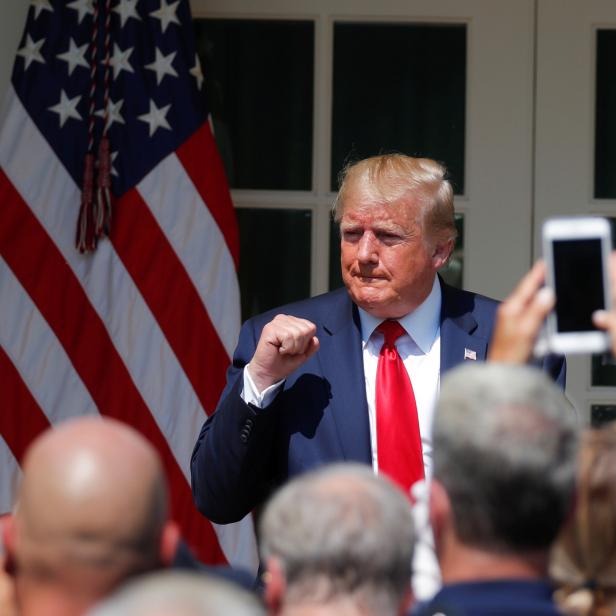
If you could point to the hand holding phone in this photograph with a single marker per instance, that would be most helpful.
(576, 252)
(520, 318)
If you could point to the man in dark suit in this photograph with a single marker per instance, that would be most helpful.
(499, 494)
(304, 382)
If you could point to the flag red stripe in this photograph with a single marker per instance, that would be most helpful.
(202, 162)
(17, 401)
(51, 284)
(149, 258)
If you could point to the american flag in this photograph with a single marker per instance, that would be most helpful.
(142, 328)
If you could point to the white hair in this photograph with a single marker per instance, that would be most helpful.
(505, 441)
(180, 594)
(341, 532)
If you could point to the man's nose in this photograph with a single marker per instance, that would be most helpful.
(367, 250)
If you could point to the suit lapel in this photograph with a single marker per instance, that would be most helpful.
(342, 364)
(457, 326)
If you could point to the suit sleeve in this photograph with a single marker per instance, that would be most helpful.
(232, 462)
(555, 366)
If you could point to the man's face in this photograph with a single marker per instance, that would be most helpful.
(388, 265)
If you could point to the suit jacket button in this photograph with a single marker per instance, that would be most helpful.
(243, 437)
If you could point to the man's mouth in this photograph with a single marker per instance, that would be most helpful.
(368, 278)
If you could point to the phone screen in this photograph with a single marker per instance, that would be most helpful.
(578, 281)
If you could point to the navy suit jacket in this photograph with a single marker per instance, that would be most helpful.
(321, 414)
(514, 597)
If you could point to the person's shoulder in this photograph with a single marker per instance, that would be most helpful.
(312, 308)
(506, 597)
(467, 301)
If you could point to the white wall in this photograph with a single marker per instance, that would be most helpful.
(12, 21)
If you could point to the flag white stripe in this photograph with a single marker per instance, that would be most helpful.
(38, 355)
(10, 475)
(196, 239)
(51, 193)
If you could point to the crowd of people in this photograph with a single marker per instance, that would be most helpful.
(405, 452)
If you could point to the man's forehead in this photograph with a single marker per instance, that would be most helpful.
(400, 213)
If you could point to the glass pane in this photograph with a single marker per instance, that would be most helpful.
(399, 87)
(260, 98)
(275, 258)
(601, 414)
(603, 366)
(603, 371)
(452, 272)
(335, 277)
(605, 116)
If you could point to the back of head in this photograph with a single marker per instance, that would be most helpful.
(584, 557)
(341, 533)
(90, 513)
(180, 594)
(504, 449)
(391, 177)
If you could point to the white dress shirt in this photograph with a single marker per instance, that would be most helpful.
(420, 350)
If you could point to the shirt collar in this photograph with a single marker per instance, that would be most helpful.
(422, 325)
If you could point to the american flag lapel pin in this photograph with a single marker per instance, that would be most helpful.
(468, 354)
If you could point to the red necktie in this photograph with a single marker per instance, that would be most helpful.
(397, 427)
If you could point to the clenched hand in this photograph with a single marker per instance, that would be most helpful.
(285, 344)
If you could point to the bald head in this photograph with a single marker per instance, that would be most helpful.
(91, 507)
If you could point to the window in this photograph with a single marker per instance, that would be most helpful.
(268, 108)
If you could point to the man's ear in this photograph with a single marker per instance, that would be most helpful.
(440, 512)
(169, 540)
(441, 253)
(275, 585)
(407, 602)
(8, 533)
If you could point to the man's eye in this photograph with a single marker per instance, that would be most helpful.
(388, 238)
(351, 236)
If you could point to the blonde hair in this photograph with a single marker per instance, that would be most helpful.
(583, 560)
(391, 177)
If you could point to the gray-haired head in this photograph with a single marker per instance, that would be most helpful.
(505, 441)
(341, 532)
(180, 594)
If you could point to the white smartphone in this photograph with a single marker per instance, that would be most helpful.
(576, 252)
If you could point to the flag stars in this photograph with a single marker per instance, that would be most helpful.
(162, 65)
(66, 108)
(74, 56)
(197, 73)
(126, 9)
(119, 60)
(113, 112)
(31, 51)
(40, 6)
(156, 118)
(167, 14)
(83, 8)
